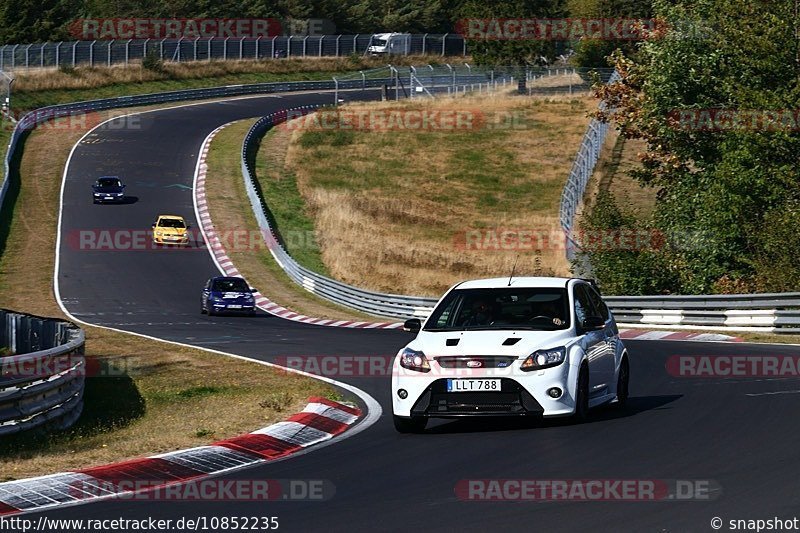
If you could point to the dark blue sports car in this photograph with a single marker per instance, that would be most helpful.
(108, 189)
(227, 294)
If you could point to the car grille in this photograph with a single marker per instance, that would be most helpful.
(487, 361)
(512, 399)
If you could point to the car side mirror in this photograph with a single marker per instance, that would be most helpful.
(413, 325)
(253, 290)
(593, 323)
(153, 226)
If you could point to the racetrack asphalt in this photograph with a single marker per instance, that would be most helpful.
(673, 428)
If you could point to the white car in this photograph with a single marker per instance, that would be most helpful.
(512, 347)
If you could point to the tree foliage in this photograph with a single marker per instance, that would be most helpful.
(727, 194)
(26, 21)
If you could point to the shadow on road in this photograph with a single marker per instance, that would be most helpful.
(635, 405)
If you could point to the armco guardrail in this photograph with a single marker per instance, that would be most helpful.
(41, 383)
(772, 312)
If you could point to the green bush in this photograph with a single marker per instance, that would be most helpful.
(647, 266)
(152, 61)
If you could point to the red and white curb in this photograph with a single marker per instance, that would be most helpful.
(645, 335)
(226, 265)
(321, 420)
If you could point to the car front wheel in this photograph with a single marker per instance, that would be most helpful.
(623, 382)
(582, 396)
(415, 424)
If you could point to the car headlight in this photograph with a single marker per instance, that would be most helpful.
(98, 194)
(544, 359)
(158, 234)
(414, 360)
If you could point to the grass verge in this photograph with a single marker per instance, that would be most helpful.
(161, 397)
(230, 211)
(392, 207)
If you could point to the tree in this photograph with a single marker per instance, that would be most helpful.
(723, 187)
(512, 52)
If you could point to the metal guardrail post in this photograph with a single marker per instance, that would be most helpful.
(110, 44)
(305, 46)
(272, 55)
(91, 54)
(225, 48)
(335, 92)
(27, 56)
(194, 48)
(161, 49)
(319, 44)
(424, 42)
(258, 51)
(337, 45)
(444, 43)
(41, 55)
(74, 50)
(289, 47)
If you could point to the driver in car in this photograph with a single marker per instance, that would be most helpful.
(551, 310)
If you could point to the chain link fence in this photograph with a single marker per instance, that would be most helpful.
(579, 175)
(432, 79)
(116, 52)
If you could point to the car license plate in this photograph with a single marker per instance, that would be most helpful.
(109, 198)
(473, 385)
(234, 306)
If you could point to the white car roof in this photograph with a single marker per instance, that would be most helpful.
(495, 283)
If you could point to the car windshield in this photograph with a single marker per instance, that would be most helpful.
(501, 308)
(231, 285)
(108, 182)
(171, 223)
(379, 42)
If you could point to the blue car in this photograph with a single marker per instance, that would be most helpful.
(227, 294)
(108, 189)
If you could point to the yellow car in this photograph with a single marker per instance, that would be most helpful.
(170, 229)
